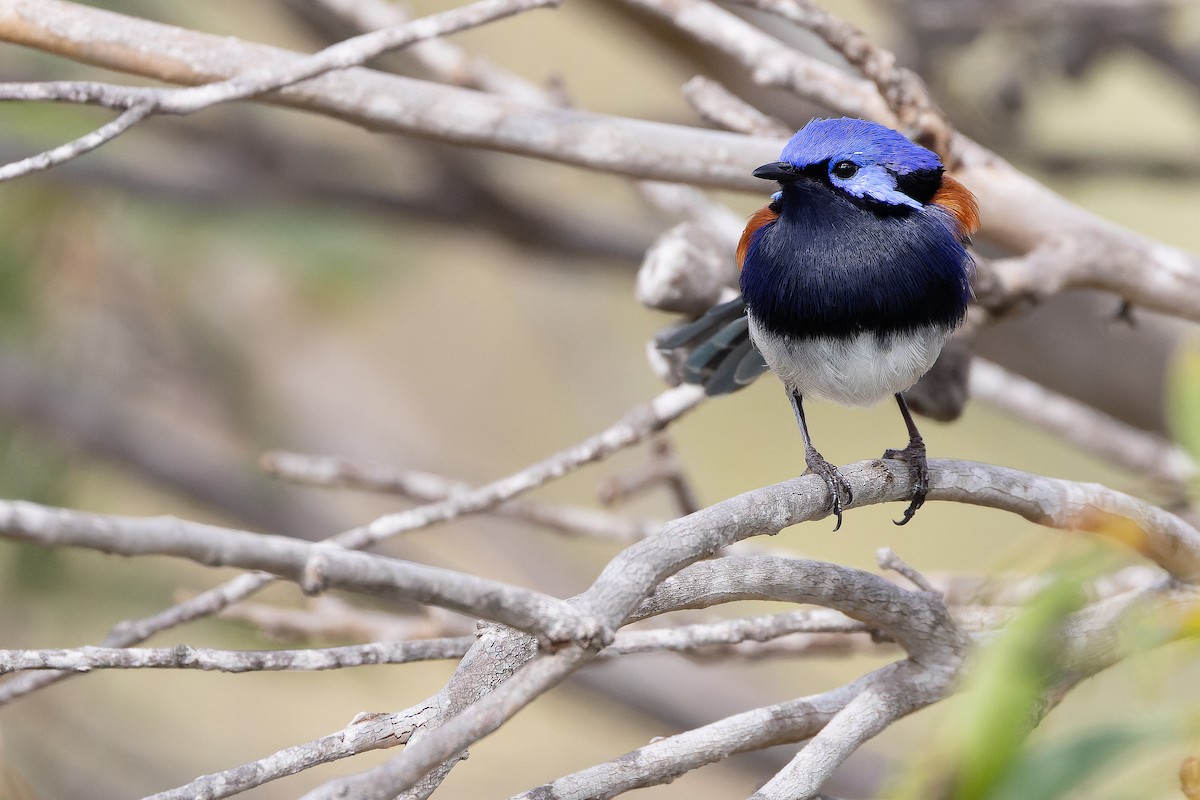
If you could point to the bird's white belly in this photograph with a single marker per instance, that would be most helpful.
(856, 370)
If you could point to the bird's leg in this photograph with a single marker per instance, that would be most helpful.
(818, 465)
(914, 456)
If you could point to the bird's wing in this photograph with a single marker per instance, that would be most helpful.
(719, 353)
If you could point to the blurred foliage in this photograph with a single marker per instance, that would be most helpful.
(986, 749)
(1007, 684)
(40, 474)
(1184, 396)
(1070, 767)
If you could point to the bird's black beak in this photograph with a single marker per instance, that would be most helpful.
(777, 171)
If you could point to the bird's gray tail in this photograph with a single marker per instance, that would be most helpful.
(715, 350)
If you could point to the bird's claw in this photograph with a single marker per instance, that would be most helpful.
(837, 485)
(914, 456)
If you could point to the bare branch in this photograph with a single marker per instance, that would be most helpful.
(643, 565)
(1159, 535)
(441, 59)
(332, 471)
(390, 102)
(440, 744)
(1017, 211)
(667, 758)
(763, 628)
(448, 63)
(633, 573)
(290, 558)
(770, 61)
(1088, 634)
(370, 732)
(1068, 247)
(1095, 432)
(252, 82)
(366, 732)
(85, 659)
(918, 621)
(689, 268)
(634, 427)
(905, 690)
(131, 632)
(349, 53)
(716, 104)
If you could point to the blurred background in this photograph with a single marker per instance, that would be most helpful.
(209, 288)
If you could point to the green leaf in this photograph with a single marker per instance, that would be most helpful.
(1006, 687)
(1183, 398)
(1050, 771)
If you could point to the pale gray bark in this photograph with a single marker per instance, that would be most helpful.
(679, 565)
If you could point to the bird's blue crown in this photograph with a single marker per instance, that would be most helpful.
(844, 138)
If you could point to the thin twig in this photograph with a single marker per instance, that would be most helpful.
(86, 659)
(365, 733)
(887, 558)
(84, 144)
(681, 638)
(663, 469)
(141, 102)
(634, 427)
(441, 59)
(331, 471)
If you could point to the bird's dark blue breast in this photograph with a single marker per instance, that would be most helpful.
(832, 267)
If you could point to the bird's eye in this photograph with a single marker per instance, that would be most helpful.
(844, 169)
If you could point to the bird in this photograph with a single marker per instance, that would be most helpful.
(852, 279)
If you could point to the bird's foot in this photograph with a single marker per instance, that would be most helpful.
(914, 456)
(838, 488)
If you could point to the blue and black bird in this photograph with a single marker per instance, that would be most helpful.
(852, 279)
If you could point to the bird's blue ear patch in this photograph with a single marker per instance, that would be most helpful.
(871, 182)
